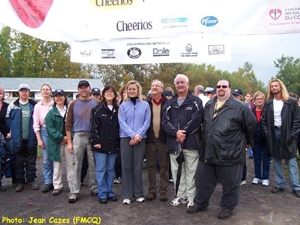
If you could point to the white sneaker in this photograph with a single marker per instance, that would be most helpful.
(256, 181)
(265, 183)
(243, 183)
(141, 199)
(178, 201)
(126, 202)
(190, 204)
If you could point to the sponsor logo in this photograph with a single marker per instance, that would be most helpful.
(108, 54)
(134, 53)
(188, 108)
(189, 51)
(86, 53)
(112, 4)
(160, 52)
(129, 26)
(209, 21)
(174, 20)
(275, 13)
(216, 49)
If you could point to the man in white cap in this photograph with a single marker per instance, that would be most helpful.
(20, 121)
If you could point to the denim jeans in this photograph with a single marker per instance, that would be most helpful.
(47, 163)
(292, 169)
(105, 174)
(260, 155)
(250, 149)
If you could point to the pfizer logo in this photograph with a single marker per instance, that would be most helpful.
(134, 53)
(209, 21)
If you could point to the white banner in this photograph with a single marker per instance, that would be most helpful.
(155, 50)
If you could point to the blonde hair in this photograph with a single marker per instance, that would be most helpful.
(47, 86)
(284, 92)
(139, 87)
(257, 94)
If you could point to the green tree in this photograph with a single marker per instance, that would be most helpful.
(289, 72)
(5, 52)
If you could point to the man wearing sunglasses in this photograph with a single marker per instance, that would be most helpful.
(228, 125)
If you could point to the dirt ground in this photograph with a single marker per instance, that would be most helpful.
(257, 205)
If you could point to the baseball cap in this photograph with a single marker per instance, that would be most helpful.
(59, 92)
(83, 83)
(209, 90)
(237, 92)
(24, 86)
(95, 91)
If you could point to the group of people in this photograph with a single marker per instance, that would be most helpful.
(210, 129)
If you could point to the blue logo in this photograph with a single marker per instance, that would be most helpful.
(209, 21)
(175, 20)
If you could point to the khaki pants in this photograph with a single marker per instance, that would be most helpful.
(187, 186)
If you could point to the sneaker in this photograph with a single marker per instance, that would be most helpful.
(243, 183)
(19, 188)
(33, 185)
(94, 193)
(171, 181)
(47, 188)
(265, 182)
(256, 181)
(190, 204)
(141, 199)
(277, 190)
(126, 201)
(56, 192)
(296, 193)
(224, 214)
(178, 201)
(118, 181)
(72, 198)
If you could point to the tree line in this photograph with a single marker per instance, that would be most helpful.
(22, 55)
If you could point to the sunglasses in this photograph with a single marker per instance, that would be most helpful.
(222, 86)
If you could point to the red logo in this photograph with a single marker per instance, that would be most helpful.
(32, 12)
(275, 13)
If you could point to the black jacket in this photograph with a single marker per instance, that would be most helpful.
(186, 117)
(258, 135)
(104, 129)
(150, 132)
(4, 129)
(290, 116)
(225, 136)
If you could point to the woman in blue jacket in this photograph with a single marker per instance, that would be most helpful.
(134, 119)
(105, 142)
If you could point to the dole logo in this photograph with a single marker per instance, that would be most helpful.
(275, 13)
(209, 21)
(32, 12)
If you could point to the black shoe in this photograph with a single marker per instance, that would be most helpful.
(194, 209)
(224, 214)
(113, 199)
(103, 201)
(47, 188)
(93, 193)
(277, 190)
(297, 193)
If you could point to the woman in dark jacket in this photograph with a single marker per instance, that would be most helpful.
(105, 141)
(58, 152)
(260, 146)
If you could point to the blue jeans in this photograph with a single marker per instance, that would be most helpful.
(250, 151)
(292, 168)
(260, 154)
(105, 174)
(47, 163)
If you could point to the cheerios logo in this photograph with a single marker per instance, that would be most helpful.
(112, 4)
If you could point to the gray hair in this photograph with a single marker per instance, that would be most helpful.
(199, 89)
(181, 75)
(161, 83)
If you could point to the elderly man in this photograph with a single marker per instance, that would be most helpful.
(156, 144)
(227, 128)
(281, 122)
(182, 117)
(199, 91)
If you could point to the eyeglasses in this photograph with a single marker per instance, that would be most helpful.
(222, 86)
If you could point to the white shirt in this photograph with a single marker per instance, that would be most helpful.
(62, 112)
(277, 104)
(204, 99)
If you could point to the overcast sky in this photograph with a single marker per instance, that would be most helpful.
(261, 51)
